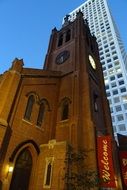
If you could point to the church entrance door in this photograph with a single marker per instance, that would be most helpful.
(22, 171)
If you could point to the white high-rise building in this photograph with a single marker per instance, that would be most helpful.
(113, 58)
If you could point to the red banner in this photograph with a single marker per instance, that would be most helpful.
(123, 164)
(105, 162)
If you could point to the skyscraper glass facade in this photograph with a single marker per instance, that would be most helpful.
(112, 56)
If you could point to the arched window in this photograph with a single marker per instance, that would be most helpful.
(48, 174)
(29, 107)
(65, 111)
(68, 35)
(60, 42)
(41, 114)
(65, 108)
(92, 47)
(95, 102)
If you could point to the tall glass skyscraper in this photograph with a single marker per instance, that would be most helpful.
(112, 56)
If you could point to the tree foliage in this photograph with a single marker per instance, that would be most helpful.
(77, 177)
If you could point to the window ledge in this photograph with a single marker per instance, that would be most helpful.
(26, 121)
(63, 123)
(40, 128)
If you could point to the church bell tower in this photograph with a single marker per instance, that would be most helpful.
(82, 111)
(73, 51)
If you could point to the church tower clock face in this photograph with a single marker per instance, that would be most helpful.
(92, 62)
(62, 57)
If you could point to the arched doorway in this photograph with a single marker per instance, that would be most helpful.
(22, 171)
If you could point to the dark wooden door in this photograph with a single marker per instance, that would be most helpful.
(22, 171)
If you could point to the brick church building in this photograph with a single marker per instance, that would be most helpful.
(45, 111)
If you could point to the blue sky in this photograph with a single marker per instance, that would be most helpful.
(25, 27)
